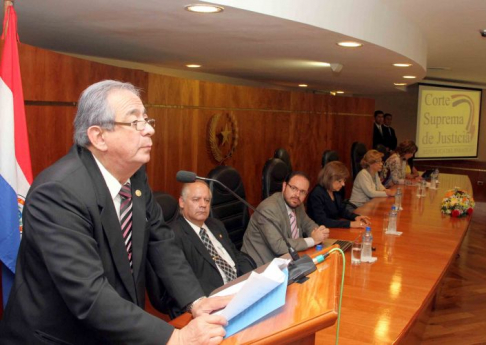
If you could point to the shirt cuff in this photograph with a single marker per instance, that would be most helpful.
(309, 241)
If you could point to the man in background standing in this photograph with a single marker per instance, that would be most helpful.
(378, 132)
(389, 133)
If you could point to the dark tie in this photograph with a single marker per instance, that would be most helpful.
(293, 225)
(126, 218)
(229, 272)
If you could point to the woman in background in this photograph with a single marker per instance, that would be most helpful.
(325, 204)
(394, 169)
(367, 184)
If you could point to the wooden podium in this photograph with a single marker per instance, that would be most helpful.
(309, 307)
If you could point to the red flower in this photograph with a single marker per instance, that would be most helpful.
(469, 211)
(456, 213)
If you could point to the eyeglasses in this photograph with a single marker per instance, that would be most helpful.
(295, 190)
(379, 162)
(138, 124)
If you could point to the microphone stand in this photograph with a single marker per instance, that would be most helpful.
(299, 267)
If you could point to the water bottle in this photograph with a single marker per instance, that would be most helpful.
(435, 179)
(398, 198)
(366, 246)
(392, 222)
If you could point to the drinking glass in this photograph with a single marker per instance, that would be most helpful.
(356, 253)
(386, 218)
(423, 191)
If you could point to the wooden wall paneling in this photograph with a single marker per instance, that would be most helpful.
(50, 76)
(175, 145)
(50, 130)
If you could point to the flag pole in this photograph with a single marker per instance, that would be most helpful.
(6, 5)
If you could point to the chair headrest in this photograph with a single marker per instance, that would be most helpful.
(169, 205)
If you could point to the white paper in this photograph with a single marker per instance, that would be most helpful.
(254, 288)
(396, 233)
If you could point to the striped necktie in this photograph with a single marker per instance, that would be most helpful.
(293, 225)
(126, 218)
(229, 271)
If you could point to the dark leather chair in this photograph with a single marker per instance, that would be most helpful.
(156, 292)
(381, 148)
(329, 156)
(225, 207)
(282, 154)
(274, 173)
(169, 205)
(358, 150)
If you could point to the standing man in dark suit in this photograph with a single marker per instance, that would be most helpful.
(389, 133)
(90, 224)
(285, 210)
(216, 262)
(378, 133)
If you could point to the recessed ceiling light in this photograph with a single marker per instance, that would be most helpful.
(332, 93)
(302, 85)
(322, 64)
(203, 8)
(349, 44)
(402, 64)
(399, 84)
(339, 92)
(409, 76)
(193, 66)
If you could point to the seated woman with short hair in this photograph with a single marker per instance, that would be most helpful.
(394, 168)
(367, 184)
(325, 204)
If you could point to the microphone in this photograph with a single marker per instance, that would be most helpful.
(299, 268)
(190, 177)
(186, 176)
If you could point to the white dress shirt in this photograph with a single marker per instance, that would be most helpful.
(218, 246)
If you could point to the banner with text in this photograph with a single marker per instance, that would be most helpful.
(448, 122)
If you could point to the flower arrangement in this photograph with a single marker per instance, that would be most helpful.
(457, 203)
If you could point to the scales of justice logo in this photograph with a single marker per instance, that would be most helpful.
(222, 136)
(461, 99)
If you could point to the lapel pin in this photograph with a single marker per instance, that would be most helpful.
(138, 192)
(220, 236)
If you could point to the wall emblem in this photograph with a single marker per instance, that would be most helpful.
(223, 136)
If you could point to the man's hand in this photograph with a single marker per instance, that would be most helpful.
(208, 305)
(363, 219)
(320, 234)
(205, 329)
(390, 192)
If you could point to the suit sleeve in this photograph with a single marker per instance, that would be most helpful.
(61, 231)
(168, 259)
(317, 209)
(274, 233)
(346, 214)
(306, 224)
(367, 186)
(244, 263)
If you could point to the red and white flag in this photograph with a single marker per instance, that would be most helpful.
(15, 165)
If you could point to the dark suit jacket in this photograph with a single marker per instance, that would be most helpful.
(378, 138)
(325, 211)
(200, 261)
(390, 137)
(198, 256)
(73, 283)
(274, 208)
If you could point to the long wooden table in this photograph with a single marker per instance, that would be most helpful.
(383, 301)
